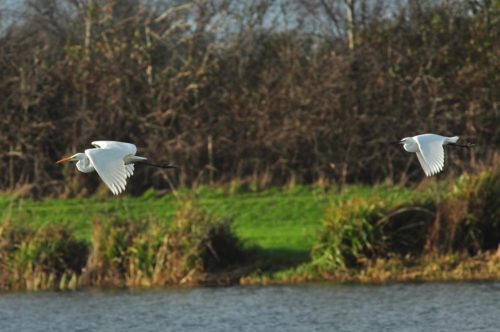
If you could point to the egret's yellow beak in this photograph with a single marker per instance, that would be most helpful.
(64, 160)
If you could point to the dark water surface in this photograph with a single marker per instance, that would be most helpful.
(395, 307)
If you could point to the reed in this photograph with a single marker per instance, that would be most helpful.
(366, 227)
(198, 244)
(47, 258)
(141, 254)
(476, 206)
(120, 253)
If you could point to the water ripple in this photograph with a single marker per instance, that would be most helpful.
(394, 307)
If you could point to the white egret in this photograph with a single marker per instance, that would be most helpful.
(429, 150)
(113, 161)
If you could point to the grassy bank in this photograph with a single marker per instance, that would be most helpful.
(446, 231)
(277, 226)
(277, 221)
(227, 234)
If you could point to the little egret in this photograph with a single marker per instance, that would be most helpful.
(429, 150)
(113, 161)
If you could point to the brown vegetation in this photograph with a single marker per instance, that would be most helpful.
(273, 91)
(49, 257)
(137, 254)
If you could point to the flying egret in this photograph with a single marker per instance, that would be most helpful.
(113, 161)
(430, 151)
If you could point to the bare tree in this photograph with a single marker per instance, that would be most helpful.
(267, 92)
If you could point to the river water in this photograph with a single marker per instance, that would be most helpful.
(313, 307)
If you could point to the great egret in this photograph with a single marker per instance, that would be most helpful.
(113, 161)
(429, 150)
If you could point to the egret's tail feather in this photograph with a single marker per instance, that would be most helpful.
(453, 139)
(135, 159)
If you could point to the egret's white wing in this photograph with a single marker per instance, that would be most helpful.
(129, 169)
(432, 152)
(128, 147)
(423, 163)
(110, 166)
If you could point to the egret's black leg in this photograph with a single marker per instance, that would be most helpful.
(144, 162)
(467, 145)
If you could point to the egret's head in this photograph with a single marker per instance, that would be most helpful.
(409, 144)
(404, 140)
(75, 157)
(401, 142)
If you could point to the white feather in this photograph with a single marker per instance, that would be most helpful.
(129, 169)
(429, 150)
(423, 163)
(112, 160)
(127, 147)
(109, 164)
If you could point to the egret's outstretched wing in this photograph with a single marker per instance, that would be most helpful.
(127, 147)
(423, 163)
(109, 164)
(432, 153)
(129, 169)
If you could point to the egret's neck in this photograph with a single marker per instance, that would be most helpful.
(410, 145)
(84, 165)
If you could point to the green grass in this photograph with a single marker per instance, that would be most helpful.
(291, 234)
(281, 224)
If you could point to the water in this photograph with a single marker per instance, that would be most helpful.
(396, 307)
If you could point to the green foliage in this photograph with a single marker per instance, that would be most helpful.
(475, 207)
(112, 246)
(347, 234)
(369, 227)
(203, 242)
(455, 217)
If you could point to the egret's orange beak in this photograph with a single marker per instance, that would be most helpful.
(64, 160)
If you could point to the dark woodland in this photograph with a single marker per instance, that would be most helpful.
(260, 91)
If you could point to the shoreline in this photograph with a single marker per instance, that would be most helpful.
(357, 277)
